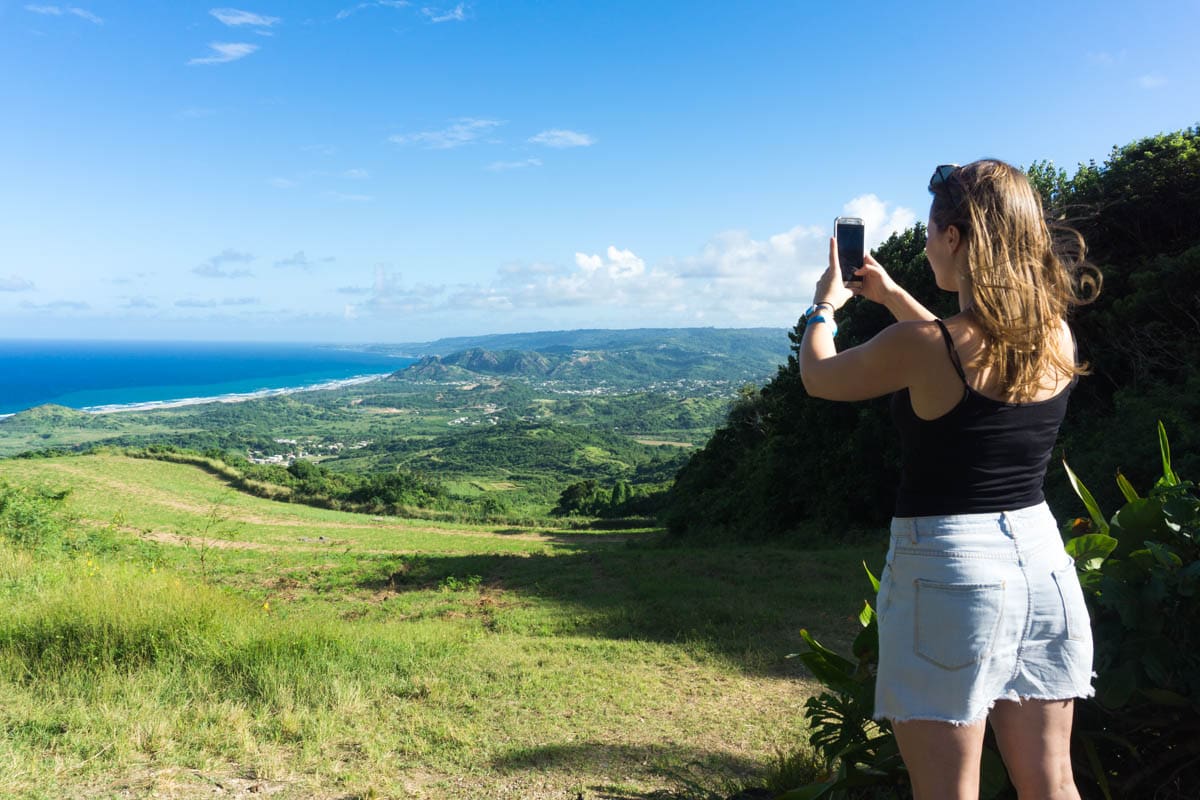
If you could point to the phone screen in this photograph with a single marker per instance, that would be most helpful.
(850, 249)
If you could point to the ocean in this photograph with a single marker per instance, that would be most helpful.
(111, 376)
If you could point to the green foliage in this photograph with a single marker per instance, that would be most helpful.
(1140, 571)
(32, 516)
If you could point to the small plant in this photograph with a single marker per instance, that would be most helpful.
(1140, 571)
(32, 517)
(454, 584)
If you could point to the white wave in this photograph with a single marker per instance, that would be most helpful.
(238, 397)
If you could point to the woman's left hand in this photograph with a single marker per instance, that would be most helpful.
(830, 288)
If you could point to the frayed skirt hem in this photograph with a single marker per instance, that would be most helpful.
(1081, 694)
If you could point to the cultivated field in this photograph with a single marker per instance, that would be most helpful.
(198, 642)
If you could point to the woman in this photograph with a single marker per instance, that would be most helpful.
(981, 617)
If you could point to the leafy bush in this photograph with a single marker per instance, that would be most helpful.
(32, 516)
(1140, 572)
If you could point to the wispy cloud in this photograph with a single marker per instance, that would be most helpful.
(58, 11)
(15, 283)
(224, 52)
(460, 132)
(1152, 81)
(283, 183)
(138, 302)
(319, 149)
(354, 9)
(191, 302)
(734, 279)
(343, 197)
(57, 305)
(388, 294)
(301, 261)
(195, 113)
(234, 17)
(356, 174)
(215, 266)
(557, 137)
(501, 166)
(456, 14)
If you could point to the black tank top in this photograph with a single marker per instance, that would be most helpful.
(983, 455)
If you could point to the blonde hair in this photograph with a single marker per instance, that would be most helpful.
(1022, 280)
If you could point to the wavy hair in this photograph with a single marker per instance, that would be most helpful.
(1022, 278)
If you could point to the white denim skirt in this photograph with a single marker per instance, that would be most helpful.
(975, 608)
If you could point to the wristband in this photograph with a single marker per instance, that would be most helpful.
(833, 329)
(816, 307)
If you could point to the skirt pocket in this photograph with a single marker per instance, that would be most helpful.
(1074, 606)
(955, 624)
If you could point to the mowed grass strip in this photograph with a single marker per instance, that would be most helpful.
(402, 662)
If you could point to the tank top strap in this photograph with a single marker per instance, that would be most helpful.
(952, 351)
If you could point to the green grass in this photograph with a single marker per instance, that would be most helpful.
(215, 638)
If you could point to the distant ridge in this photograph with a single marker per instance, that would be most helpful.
(640, 356)
(588, 339)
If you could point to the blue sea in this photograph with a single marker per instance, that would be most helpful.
(109, 376)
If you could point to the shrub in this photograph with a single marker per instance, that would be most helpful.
(32, 516)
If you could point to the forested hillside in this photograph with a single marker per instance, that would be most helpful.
(782, 458)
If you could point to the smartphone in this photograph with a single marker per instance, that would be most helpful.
(849, 233)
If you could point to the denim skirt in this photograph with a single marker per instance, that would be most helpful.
(975, 608)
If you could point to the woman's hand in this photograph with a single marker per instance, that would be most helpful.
(877, 286)
(830, 288)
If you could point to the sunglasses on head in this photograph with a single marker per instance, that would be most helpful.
(940, 176)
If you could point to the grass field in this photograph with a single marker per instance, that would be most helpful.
(204, 642)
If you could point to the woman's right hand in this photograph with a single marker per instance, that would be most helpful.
(877, 286)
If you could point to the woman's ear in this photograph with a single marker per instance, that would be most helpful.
(953, 238)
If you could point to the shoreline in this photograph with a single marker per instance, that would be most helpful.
(231, 397)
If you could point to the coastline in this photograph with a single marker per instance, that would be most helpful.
(232, 397)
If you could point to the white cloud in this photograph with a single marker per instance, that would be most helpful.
(139, 302)
(354, 9)
(57, 305)
(215, 267)
(456, 14)
(84, 14)
(461, 132)
(388, 295)
(501, 166)
(343, 197)
(734, 279)
(557, 137)
(224, 52)
(302, 261)
(283, 183)
(234, 17)
(621, 264)
(356, 174)
(880, 222)
(58, 11)
(15, 283)
(1152, 81)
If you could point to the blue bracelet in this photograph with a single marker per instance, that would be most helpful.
(821, 318)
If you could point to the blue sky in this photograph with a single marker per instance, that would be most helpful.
(387, 171)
